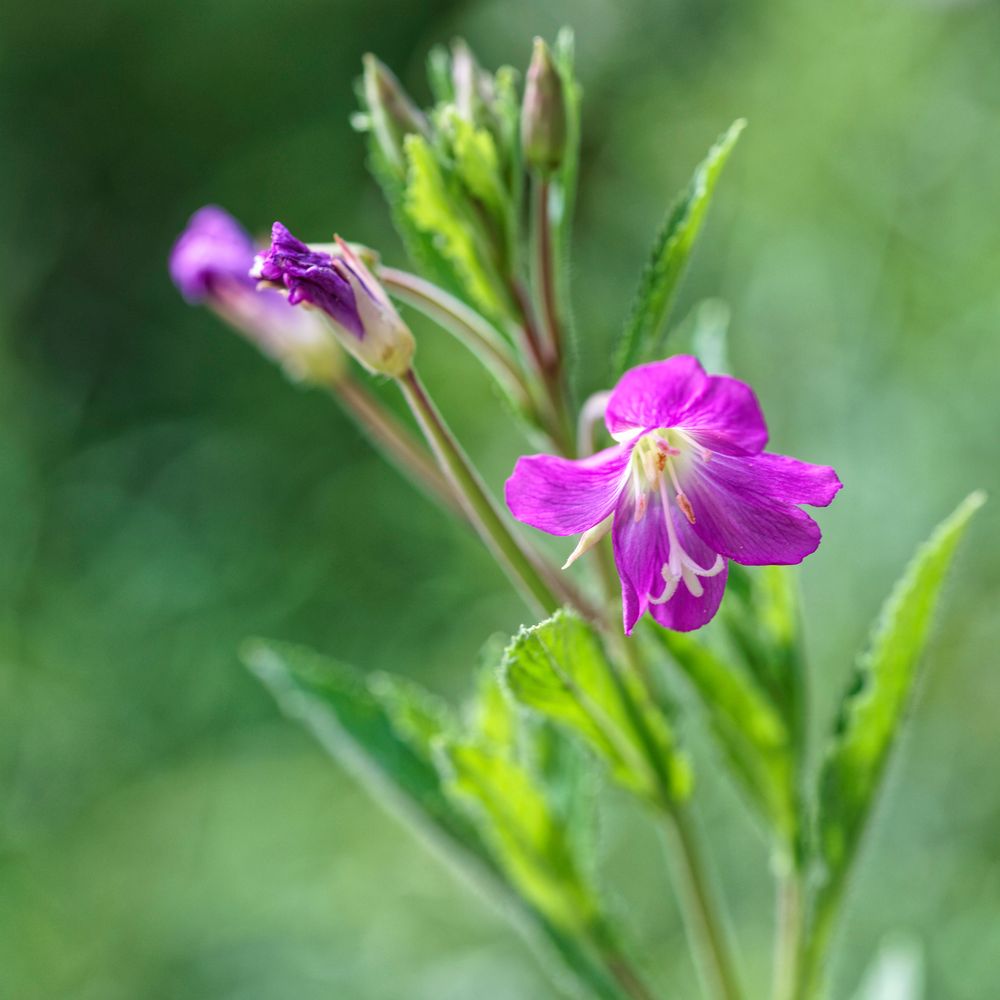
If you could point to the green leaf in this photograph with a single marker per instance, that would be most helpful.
(436, 207)
(477, 163)
(524, 832)
(419, 246)
(873, 707)
(760, 617)
(383, 731)
(748, 730)
(559, 668)
(641, 339)
(383, 739)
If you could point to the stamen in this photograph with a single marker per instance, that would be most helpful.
(640, 495)
(685, 506)
(666, 447)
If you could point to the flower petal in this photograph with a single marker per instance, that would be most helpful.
(684, 612)
(641, 549)
(654, 395)
(726, 417)
(745, 509)
(566, 497)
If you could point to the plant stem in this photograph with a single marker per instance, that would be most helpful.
(816, 944)
(627, 977)
(522, 567)
(394, 441)
(558, 421)
(545, 270)
(465, 324)
(705, 928)
(788, 935)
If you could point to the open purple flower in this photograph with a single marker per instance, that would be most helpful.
(210, 265)
(686, 488)
(339, 285)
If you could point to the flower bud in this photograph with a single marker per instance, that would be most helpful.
(392, 114)
(339, 285)
(474, 90)
(543, 113)
(209, 265)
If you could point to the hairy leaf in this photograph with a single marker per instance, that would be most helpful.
(526, 835)
(477, 162)
(641, 338)
(873, 708)
(383, 732)
(559, 668)
(436, 207)
(383, 739)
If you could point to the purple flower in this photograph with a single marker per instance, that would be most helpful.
(213, 253)
(340, 286)
(686, 488)
(210, 265)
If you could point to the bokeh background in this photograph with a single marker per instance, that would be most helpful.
(164, 493)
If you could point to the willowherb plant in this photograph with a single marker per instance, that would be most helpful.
(681, 506)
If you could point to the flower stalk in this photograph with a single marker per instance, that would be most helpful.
(788, 935)
(394, 441)
(545, 271)
(463, 323)
(521, 566)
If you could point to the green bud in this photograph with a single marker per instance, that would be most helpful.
(392, 113)
(472, 86)
(543, 113)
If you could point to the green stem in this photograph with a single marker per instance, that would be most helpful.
(521, 566)
(816, 945)
(465, 324)
(788, 935)
(394, 441)
(625, 975)
(545, 270)
(705, 927)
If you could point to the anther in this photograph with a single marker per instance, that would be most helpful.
(685, 506)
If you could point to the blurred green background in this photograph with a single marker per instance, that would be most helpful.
(164, 492)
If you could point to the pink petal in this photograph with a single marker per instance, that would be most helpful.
(726, 417)
(654, 395)
(641, 549)
(744, 507)
(565, 497)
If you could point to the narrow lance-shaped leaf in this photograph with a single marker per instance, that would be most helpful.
(559, 668)
(873, 708)
(641, 337)
(760, 617)
(524, 832)
(390, 756)
(381, 730)
(747, 729)
(436, 206)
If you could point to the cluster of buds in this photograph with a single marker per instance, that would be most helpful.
(454, 173)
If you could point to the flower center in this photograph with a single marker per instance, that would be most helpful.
(657, 459)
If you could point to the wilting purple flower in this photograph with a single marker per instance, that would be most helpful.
(210, 265)
(686, 488)
(339, 285)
